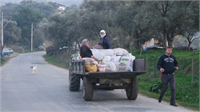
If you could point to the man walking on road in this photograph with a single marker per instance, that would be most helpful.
(167, 64)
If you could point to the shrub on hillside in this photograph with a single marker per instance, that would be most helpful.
(50, 50)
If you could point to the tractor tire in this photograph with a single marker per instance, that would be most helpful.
(132, 90)
(74, 82)
(88, 89)
(70, 74)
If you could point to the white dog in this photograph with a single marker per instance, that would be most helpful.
(33, 69)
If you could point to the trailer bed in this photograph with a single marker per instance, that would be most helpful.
(114, 74)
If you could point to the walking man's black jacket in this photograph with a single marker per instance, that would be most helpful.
(168, 63)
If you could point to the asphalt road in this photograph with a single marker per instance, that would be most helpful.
(48, 91)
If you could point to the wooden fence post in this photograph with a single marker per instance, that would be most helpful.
(154, 63)
(193, 67)
(147, 64)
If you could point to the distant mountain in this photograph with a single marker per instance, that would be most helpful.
(67, 2)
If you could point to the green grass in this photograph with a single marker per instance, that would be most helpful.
(3, 60)
(187, 93)
(58, 61)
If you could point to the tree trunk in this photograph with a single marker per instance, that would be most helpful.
(141, 51)
(169, 43)
(170, 37)
(138, 45)
(164, 39)
(189, 45)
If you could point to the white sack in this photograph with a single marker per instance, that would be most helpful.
(121, 66)
(104, 61)
(110, 67)
(107, 58)
(129, 61)
(98, 55)
(118, 52)
(94, 50)
(90, 60)
(115, 58)
(107, 52)
(95, 62)
(121, 51)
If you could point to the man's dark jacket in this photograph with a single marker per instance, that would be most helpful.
(168, 63)
(105, 42)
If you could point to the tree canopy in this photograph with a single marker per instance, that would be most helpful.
(25, 13)
(132, 23)
(24, 17)
(11, 32)
(129, 24)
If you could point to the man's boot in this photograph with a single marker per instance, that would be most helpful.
(159, 99)
(173, 104)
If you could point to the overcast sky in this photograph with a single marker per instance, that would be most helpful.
(67, 2)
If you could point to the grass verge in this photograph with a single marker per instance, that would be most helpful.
(58, 61)
(187, 91)
(3, 60)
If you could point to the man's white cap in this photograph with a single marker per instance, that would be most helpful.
(103, 31)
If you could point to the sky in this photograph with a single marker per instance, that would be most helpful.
(67, 2)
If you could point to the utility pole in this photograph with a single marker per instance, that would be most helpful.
(32, 37)
(2, 31)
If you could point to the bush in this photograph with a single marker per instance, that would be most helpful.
(50, 50)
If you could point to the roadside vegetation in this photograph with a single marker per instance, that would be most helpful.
(61, 61)
(3, 61)
(187, 92)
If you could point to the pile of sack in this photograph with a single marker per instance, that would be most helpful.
(110, 60)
